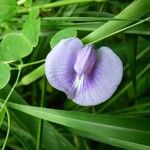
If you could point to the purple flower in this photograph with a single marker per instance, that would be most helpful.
(86, 76)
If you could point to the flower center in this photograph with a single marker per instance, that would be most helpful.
(85, 60)
(79, 81)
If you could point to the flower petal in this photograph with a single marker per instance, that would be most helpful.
(85, 60)
(59, 64)
(103, 81)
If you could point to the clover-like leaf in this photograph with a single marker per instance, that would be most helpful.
(63, 34)
(7, 9)
(14, 46)
(4, 74)
(31, 28)
(28, 3)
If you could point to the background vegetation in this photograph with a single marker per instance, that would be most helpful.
(34, 115)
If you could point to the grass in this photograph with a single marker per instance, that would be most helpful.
(34, 115)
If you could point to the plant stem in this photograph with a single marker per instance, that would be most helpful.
(67, 2)
(143, 52)
(33, 63)
(40, 123)
(60, 3)
(8, 130)
(7, 98)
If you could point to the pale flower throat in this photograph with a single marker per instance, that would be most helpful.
(84, 64)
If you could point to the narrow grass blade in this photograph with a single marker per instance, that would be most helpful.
(131, 54)
(135, 10)
(104, 128)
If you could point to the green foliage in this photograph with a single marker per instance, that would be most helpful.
(16, 46)
(54, 140)
(32, 76)
(131, 54)
(12, 52)
(134, 11)
(28, 30)
(28, 3)
(8, 9)
(4, 75)
(2, 115)
(31, 28)
(110, 129)
(63, 34)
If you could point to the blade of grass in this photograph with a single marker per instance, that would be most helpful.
(21, 136)
(28, 125)
(8, 129)
(2, 115)
(40, 122)
(106, 127)
(59, 4)
(57, 140)
(26, 122)
(135, 10)
(142, 53)
(131, 54)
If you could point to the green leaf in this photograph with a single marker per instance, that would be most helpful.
(4, 75)
(7, 9)
(121, 131)
(52, 139)
(49, 133)
(14, 46)
(142, 85)
(2, 115)
(131, 53)
(63, 34)
(25, 121)
(31, 28)
(32, 76)
(28, 3)
(22, 136)
(135, 10)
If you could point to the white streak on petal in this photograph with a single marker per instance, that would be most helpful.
(79, 82)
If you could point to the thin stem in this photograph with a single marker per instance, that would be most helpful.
(143, 52)
(8, 96)
(131, 109)
(33, 63)
(8, 130)
(63, 3)
(123, 90)
(40, 123)
(60, 3)
(14, 68)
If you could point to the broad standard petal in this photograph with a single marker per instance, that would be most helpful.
(60, 62)
(103, 81)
